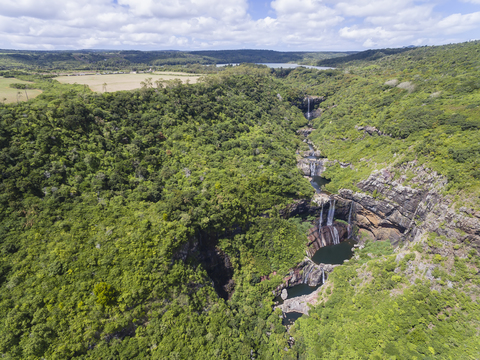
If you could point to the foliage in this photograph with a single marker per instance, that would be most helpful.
(142, 60)
(379, 310)
(423, 103)
(107, 201)
(100, 192)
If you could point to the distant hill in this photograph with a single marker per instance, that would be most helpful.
(368, 55)
(113, 60)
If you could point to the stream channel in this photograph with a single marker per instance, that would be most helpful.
(333, 254)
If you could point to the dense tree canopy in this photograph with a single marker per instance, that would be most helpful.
(116, 208)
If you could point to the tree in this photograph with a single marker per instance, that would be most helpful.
(147, 84)
(159, 83)
(104, 87)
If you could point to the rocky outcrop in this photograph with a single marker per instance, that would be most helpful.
(305, 131)
(370, 130)
(407, 206)
(462, 225)
(328, 235)
(307, 272)
(315, 101)
(315, 153)
(300, 304)
(312, 167)
(203, 249)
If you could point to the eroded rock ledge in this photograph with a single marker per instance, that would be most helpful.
(405, 208)
(306, 272)
(300, 304)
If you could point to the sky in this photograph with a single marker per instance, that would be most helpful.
(285, 25)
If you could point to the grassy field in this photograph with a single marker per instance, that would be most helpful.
(116, 82)
(8, 94)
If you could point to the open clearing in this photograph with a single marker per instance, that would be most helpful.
(10, 94)
(116, 82)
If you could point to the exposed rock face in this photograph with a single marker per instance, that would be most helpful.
(202, 249)
(315, 101)
(326, 236)
(312, 167)
(315, 153)
(300, 304)
(307, 272)
(370, 130)
(305, 131)
(401, 212)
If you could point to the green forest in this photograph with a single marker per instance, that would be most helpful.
(53, 61)
(153, 223)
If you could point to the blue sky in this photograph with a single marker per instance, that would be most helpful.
(308, 25)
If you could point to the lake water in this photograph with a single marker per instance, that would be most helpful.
(334, 254)
(318, 182)
(290, 318)
(284, 66)
(299, 290)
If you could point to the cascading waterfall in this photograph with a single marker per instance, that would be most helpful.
(329, 227)
(308, 112)
(306, 275)
(350, 220)
(323, 277)
(331, 212)
(313, 168)
(320, 222)
(350, 214)
(336, 238)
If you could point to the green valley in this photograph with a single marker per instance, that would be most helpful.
(163, 222)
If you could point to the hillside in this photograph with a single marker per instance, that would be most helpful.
(399, 136)
(162, 222)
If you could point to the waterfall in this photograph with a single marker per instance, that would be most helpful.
(308, 273)
(349, 228)
(320, 223)
(331, 212)
(329, 227)
(336, 238)
(350, 214)
(323, 277)
(308, 112)
(313, 168)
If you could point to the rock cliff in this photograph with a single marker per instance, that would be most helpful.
(400, 208)
(311, 167)
(300, 304)
(328, 235)
(306, 272)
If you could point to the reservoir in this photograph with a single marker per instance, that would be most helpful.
(283, 65)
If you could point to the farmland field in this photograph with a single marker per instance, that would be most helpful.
(116, 82)
(8, 94)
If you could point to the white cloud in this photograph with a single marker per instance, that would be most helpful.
(397, 23)
(192, 24)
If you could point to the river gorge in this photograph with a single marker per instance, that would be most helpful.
(397, 206)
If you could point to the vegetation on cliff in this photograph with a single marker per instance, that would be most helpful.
(111, 203)
(422, 104)
(411, 304)
(100, 192)
(417, 107)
